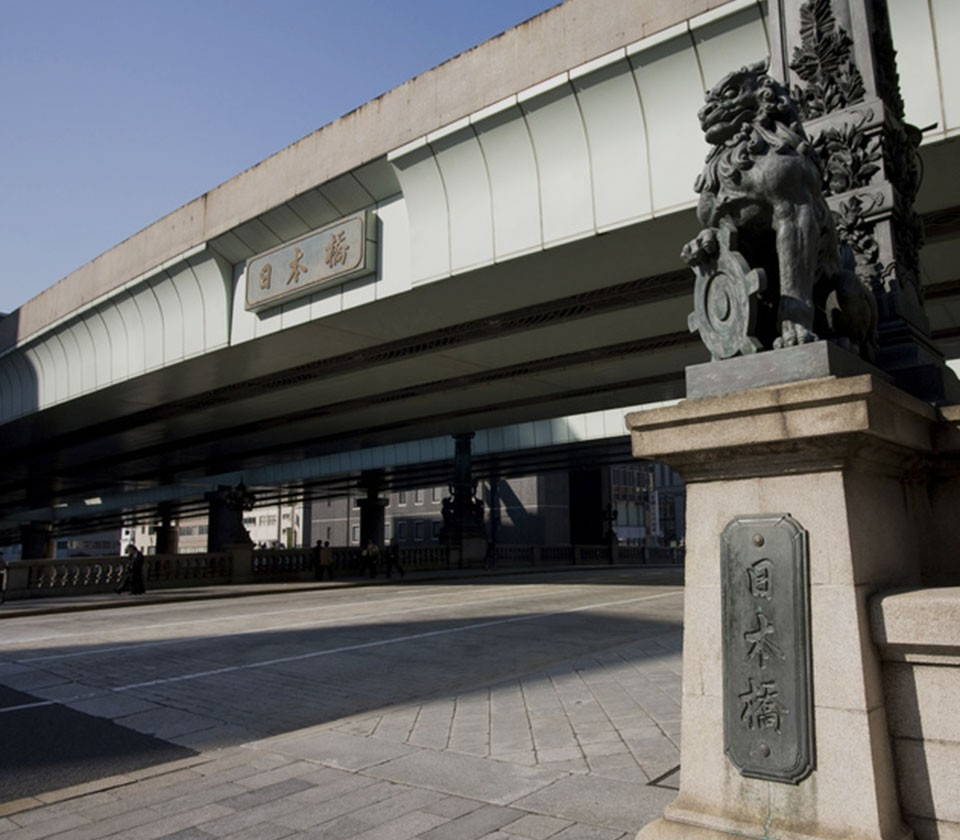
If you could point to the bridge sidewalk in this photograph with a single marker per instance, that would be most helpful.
(587, 749)
(371, 778)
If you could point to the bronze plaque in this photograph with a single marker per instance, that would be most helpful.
(341, 251)
(767, 684)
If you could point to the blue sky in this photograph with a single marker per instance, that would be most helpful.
(115, 112)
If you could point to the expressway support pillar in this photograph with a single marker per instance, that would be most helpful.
(372, 509)
(306, 529)
(494, 504)
(463, 530)
(168, 534)
(37, 541)
(590, 506)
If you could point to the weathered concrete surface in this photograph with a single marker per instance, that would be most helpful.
(563, 37)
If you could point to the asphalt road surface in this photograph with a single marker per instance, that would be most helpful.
(91, 694)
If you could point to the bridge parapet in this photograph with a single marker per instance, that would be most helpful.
(89, 575)
(93, 575)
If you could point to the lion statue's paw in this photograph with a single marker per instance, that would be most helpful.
(793, 335)
(702, 249)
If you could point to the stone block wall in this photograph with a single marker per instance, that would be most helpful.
(918, 634)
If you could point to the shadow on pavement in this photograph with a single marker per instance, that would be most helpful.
(48, 747)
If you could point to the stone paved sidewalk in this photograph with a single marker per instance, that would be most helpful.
(586, 751)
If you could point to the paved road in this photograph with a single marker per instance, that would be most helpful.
(547, 697)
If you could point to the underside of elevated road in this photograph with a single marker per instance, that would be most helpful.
(513, 343)
(589, 318)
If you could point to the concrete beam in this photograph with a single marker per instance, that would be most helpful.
(563, 37)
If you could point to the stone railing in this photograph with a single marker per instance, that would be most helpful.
(166, 571)
(65, 577)
(282, 564)
(83, 575)
(651, 555)
(509, 556)
(587, 555)
(279, 564)
(425, 557)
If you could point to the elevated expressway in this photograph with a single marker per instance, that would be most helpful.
(524, 207)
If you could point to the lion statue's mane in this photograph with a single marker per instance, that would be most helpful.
(760, 193)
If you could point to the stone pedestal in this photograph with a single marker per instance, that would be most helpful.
(845, 457)
(241, 568)
(225, 520)
(37, 541)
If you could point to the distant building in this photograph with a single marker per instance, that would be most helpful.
(643, 502)
(648, 500)
(99, 544)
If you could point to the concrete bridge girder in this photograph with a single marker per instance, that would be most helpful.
(566, 159)
(525, 209)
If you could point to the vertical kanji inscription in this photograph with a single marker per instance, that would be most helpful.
(767, 703)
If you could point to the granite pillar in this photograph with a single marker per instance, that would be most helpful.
(846, 458)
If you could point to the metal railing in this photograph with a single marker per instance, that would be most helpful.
(82, 575)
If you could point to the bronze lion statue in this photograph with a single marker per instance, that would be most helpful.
(769, 267)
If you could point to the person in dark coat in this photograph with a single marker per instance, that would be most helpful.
(133, 580)
(370, 557)
(393, 558)
(323, 560)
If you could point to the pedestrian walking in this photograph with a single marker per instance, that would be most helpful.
(133, 579)
(323, 560)
(393, 557)
(370, 557)
(490, 558)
